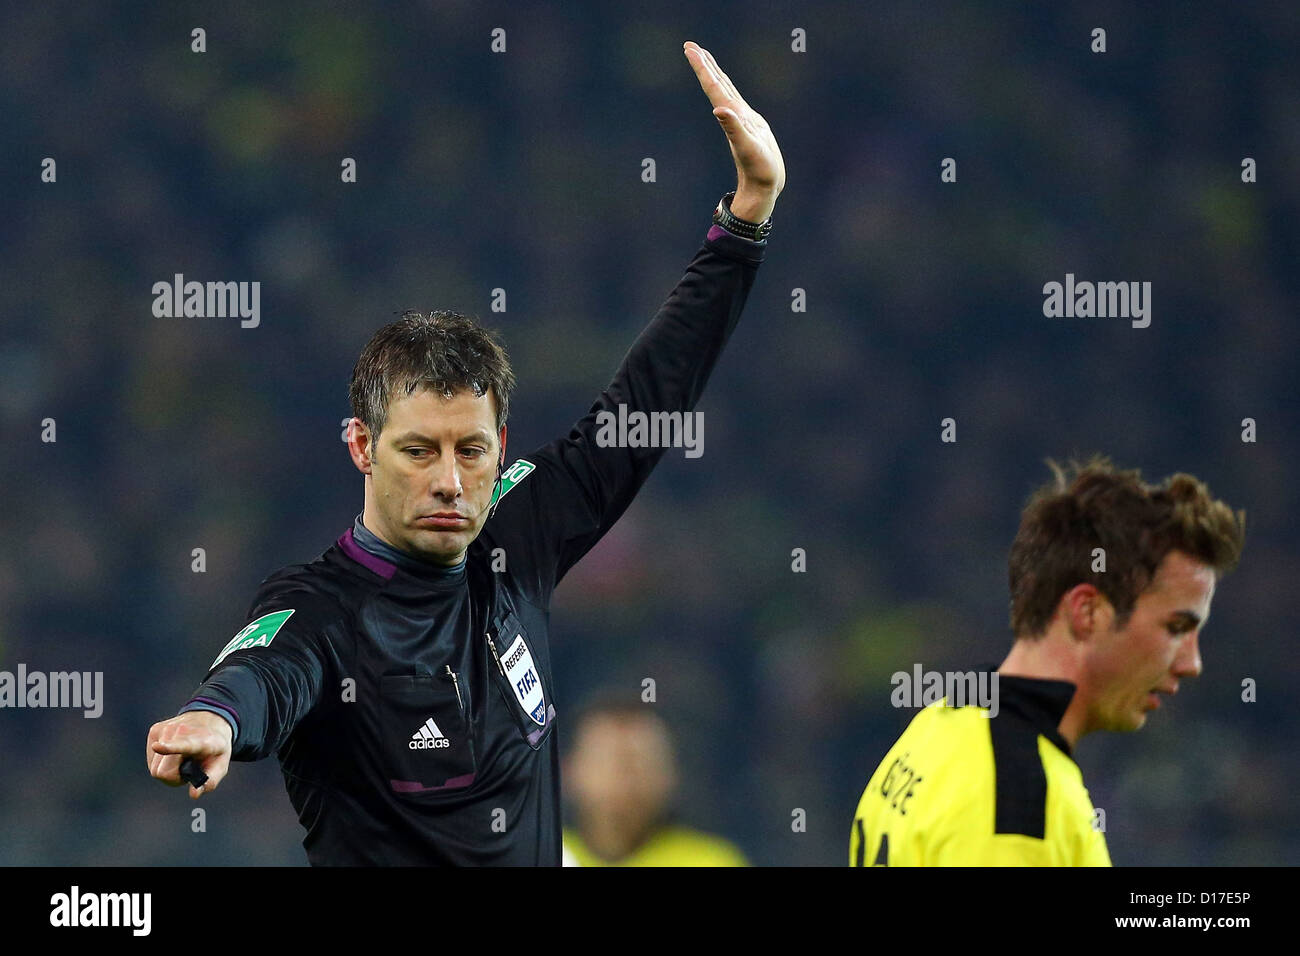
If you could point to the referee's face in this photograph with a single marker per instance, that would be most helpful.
(1132, 667)
(432, 472)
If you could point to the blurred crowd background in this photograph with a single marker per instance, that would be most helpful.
(522, 171)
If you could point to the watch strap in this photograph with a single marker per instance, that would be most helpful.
(754, 231)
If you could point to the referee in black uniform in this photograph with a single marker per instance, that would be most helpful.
(403, 677)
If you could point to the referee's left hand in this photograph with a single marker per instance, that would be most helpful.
(760, 170)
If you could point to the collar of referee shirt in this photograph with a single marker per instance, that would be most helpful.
(1038, 701)
(376, 547)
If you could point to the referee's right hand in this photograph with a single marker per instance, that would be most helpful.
(200, 734)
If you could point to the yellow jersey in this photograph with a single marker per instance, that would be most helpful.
(961, 788)
(667, 846)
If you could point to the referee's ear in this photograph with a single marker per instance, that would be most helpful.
(360, 446)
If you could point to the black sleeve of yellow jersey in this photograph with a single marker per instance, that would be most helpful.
(265, 690)
(578, 490)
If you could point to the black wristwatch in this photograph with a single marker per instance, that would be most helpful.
(755, 231)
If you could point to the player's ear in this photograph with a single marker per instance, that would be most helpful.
(501, 459)
(1082, 608)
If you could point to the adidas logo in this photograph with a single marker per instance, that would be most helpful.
(428, 737)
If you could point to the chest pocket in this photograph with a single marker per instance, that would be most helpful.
(427, 744)
(520, 681)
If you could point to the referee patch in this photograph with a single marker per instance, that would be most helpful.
(521, 673)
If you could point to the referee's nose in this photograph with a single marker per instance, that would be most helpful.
(445, 479)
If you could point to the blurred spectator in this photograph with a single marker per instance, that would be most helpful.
(621, 775)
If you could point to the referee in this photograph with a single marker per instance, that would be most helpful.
(403, 677)
(1111, 583)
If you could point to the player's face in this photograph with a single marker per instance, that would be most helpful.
(621, 768)
(1131, 667)
(433, 471)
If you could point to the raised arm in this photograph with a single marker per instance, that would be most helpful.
(578, 486)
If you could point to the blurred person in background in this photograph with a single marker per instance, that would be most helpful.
(621, 777)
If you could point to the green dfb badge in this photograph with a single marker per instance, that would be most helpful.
(258, 633)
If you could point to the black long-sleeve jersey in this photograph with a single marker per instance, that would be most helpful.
(413, 710)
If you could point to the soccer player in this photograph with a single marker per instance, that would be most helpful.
(403, 677)
(621, 774)
(1111, 582)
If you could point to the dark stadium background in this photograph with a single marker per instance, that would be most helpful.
(522, 171)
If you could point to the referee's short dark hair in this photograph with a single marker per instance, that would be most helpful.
(442, 351)
(1095, 505)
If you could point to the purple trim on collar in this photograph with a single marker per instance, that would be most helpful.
(361, 556)
(413, 786)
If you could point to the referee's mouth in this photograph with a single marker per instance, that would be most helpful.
(443, 520)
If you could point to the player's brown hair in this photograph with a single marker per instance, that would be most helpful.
(442, 351)
(1097, 505)
(616, 703)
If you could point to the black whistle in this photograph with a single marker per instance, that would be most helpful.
(192, 773)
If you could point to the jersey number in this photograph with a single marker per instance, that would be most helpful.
(882, 855)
